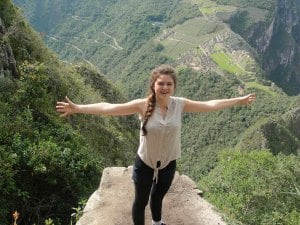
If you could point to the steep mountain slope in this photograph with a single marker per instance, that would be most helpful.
(119, 46)
(125, 39)
(105, 32)
(280, 134)
(276, 39)
(48, 164)
(108, 26)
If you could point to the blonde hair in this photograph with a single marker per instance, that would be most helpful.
(151, 98)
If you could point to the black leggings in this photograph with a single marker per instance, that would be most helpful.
(145, 186)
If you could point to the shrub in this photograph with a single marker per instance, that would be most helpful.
(256, 187)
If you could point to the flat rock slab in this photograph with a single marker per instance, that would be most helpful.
(111, 204)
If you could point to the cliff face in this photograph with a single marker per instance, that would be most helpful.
(7, 59)
(279, 45)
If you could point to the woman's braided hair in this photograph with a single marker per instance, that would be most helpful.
(151, 97)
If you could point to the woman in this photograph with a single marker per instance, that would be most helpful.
(160, 145)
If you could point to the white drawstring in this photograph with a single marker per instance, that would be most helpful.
(155, 175)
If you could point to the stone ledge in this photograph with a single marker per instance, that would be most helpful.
(111, 203)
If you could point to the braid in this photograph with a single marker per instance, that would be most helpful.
(151, 100)
(151, 97)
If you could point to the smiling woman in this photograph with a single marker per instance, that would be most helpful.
(160, 135)
(161, 88)
(164, 85)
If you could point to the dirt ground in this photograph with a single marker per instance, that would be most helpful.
(111, 203)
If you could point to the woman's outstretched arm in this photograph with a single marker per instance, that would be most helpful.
(213, 105)
(68, 107)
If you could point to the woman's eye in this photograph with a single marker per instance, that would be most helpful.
(163, 84)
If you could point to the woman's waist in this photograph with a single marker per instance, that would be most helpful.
(154, 164)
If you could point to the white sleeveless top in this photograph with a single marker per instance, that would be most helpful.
(163, 140)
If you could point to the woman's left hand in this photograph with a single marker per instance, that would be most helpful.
(247, 99)
(66, 108)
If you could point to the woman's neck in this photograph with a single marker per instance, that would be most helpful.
(163, 103)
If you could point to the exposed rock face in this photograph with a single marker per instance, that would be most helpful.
(7, 59)
(111, 204)
(279, 46)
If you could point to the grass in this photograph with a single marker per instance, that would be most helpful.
(209, 7)
(261, 87)
(257, 14)
(174, 49)
(225, 62)
(189, 35)
(196, 27)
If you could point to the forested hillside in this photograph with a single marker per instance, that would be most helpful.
(48, 164)
(208, 43)
(102, 33)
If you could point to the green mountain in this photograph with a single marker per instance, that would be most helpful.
(251, 36)
(186, 34)
(218, 51)
(280, 134)
(49, 164)
(276, 39)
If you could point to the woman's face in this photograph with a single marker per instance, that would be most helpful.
(164, 86)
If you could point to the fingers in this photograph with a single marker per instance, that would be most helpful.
(247, 99)
(63, 111)
(251, 98)
(62, 107)
(68, 100)
(60, 104)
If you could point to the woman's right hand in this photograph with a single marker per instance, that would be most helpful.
(66, 108)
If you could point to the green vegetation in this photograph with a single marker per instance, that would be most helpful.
(274, 133)
(46, 161)
(205, 134)
(245, 18)
(48, 164)
(267, 4)
(226, 63)
(240, 22)
(209, 7)
(80, 36)
(264, 88)
(256, 187)
(188, 36)
(258, 17)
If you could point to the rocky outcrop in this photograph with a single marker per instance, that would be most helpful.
(111, 203)
(7, 59)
